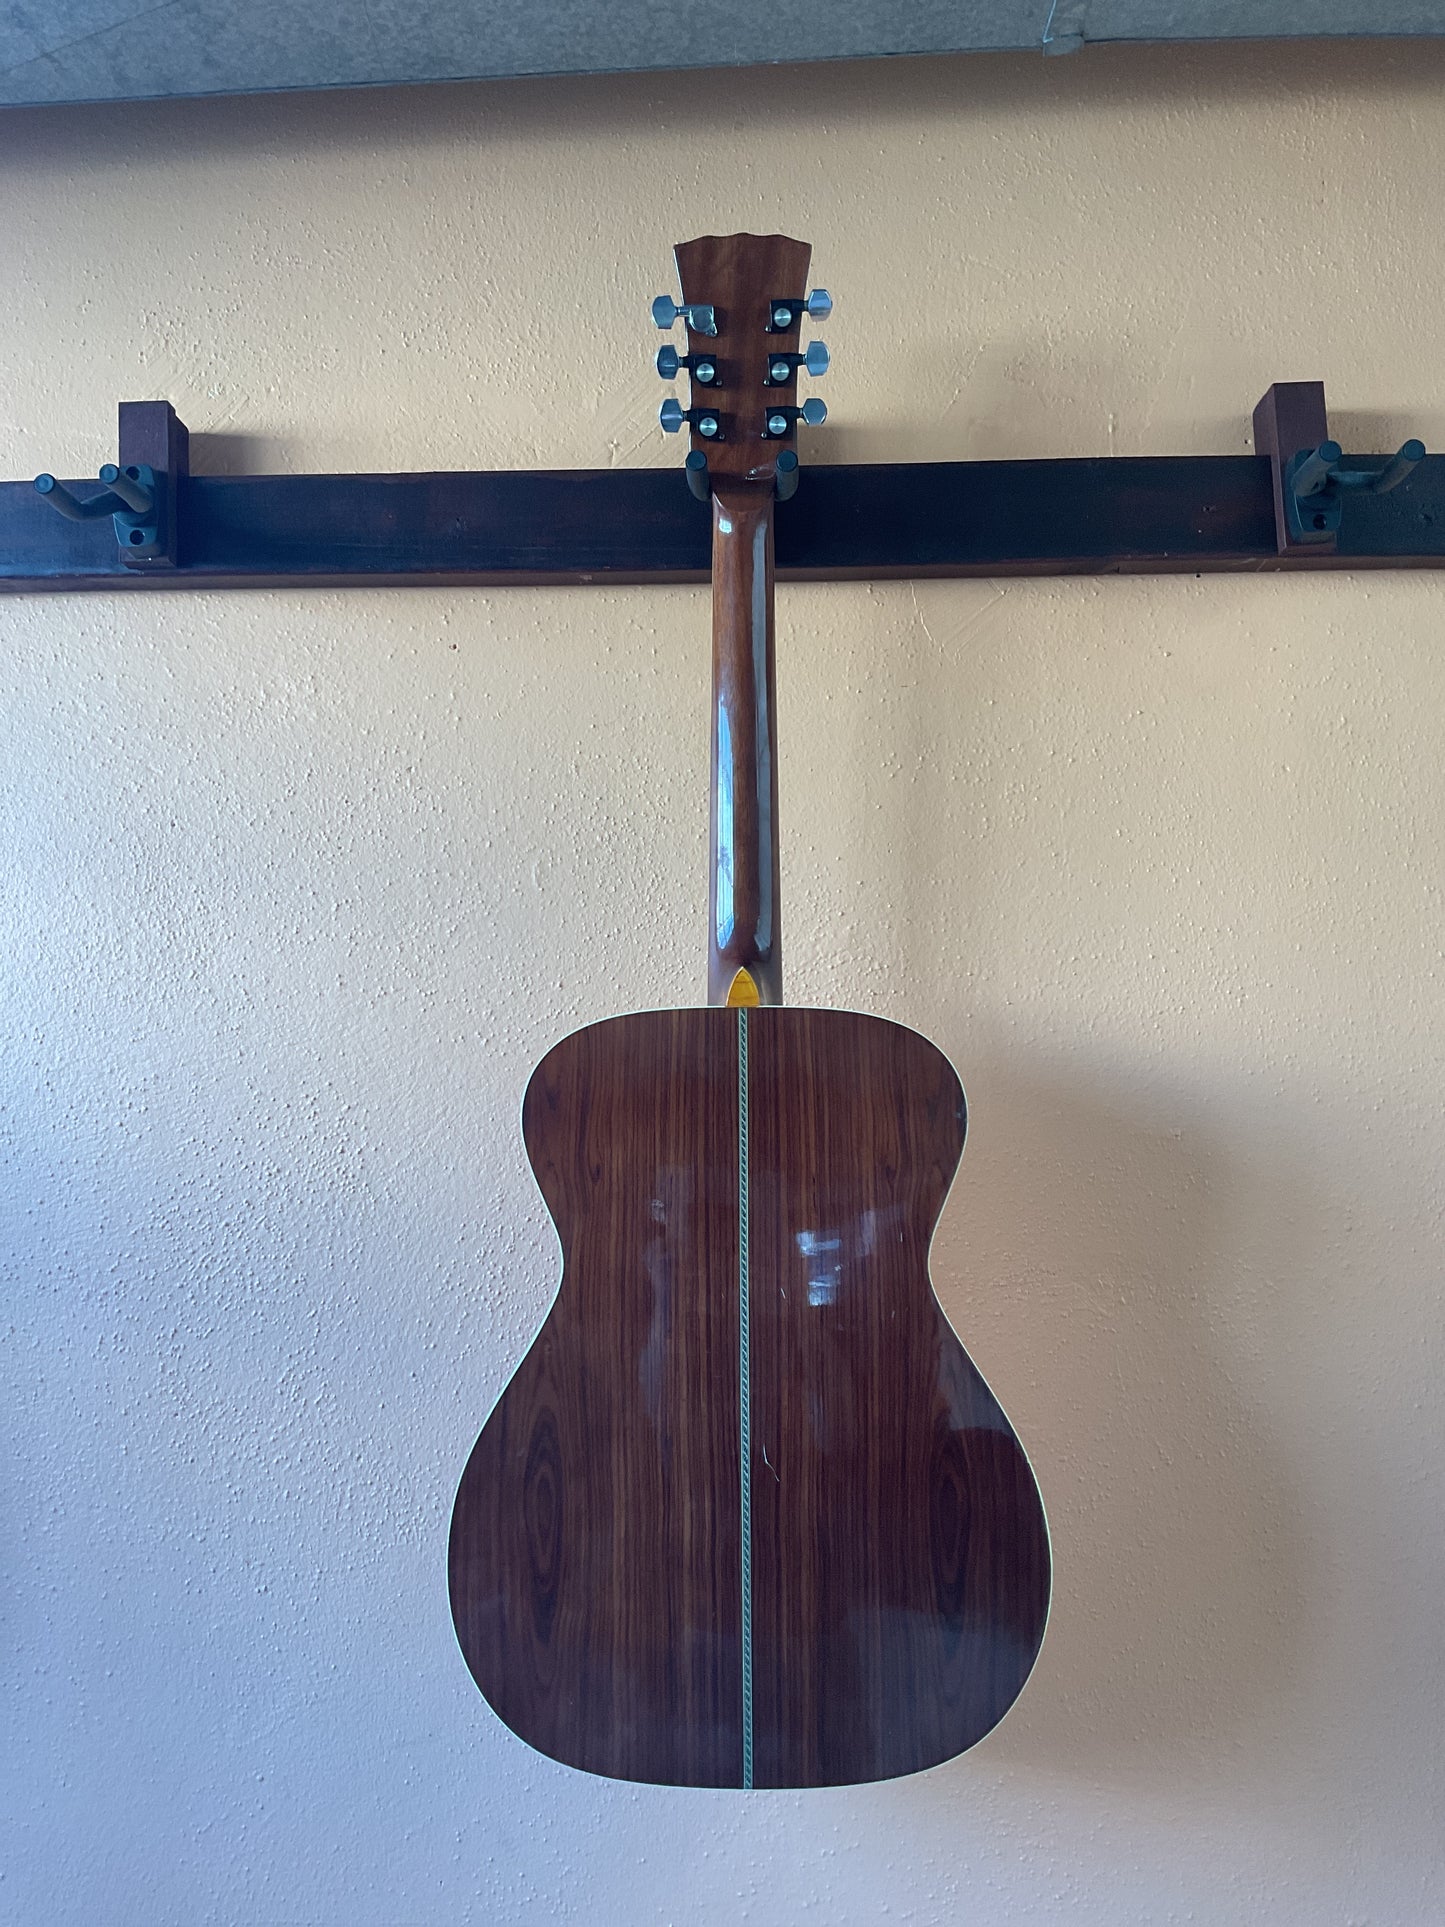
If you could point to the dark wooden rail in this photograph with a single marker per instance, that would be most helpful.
(1121, 514)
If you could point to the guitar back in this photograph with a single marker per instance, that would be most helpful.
(747, 1514)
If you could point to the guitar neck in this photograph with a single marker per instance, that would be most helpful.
(743, 930)
(743, 305)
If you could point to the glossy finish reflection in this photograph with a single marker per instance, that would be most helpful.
(900, 1570)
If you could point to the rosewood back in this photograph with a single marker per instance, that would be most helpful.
(898, 1575)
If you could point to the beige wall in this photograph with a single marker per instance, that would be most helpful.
(297, 887)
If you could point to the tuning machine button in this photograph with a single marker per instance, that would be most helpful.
(781, 366)
(672, 415)
(702, 368)
(700, 316)
(778, 421)
(785, 311)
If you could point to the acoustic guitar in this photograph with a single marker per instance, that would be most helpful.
(747, 1515)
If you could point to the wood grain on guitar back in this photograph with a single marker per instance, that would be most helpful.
(899, 1558)
(595, 1564)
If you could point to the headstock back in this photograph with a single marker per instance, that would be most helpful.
(741, 278)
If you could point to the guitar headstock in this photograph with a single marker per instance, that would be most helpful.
(744, 303)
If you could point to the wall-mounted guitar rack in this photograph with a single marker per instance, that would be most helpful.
(1298, 503)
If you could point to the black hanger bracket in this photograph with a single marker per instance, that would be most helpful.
(141, 490)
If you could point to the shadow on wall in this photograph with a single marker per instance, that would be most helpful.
(216, 454)
(1091, 1261)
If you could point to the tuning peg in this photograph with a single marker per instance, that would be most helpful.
(672, 415)
(780, 366)
(703, 368)
(787, 310)
(812, 414)
(700, 316)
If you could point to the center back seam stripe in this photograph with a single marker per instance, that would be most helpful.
(745, 1403)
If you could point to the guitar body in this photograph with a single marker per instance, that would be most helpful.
(747, 1514)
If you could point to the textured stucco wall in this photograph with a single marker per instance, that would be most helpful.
(297, 887)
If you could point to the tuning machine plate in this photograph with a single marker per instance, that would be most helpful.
(786, 311)
(706, 421)
(702, 367)
(777, 421)
(782, 367)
